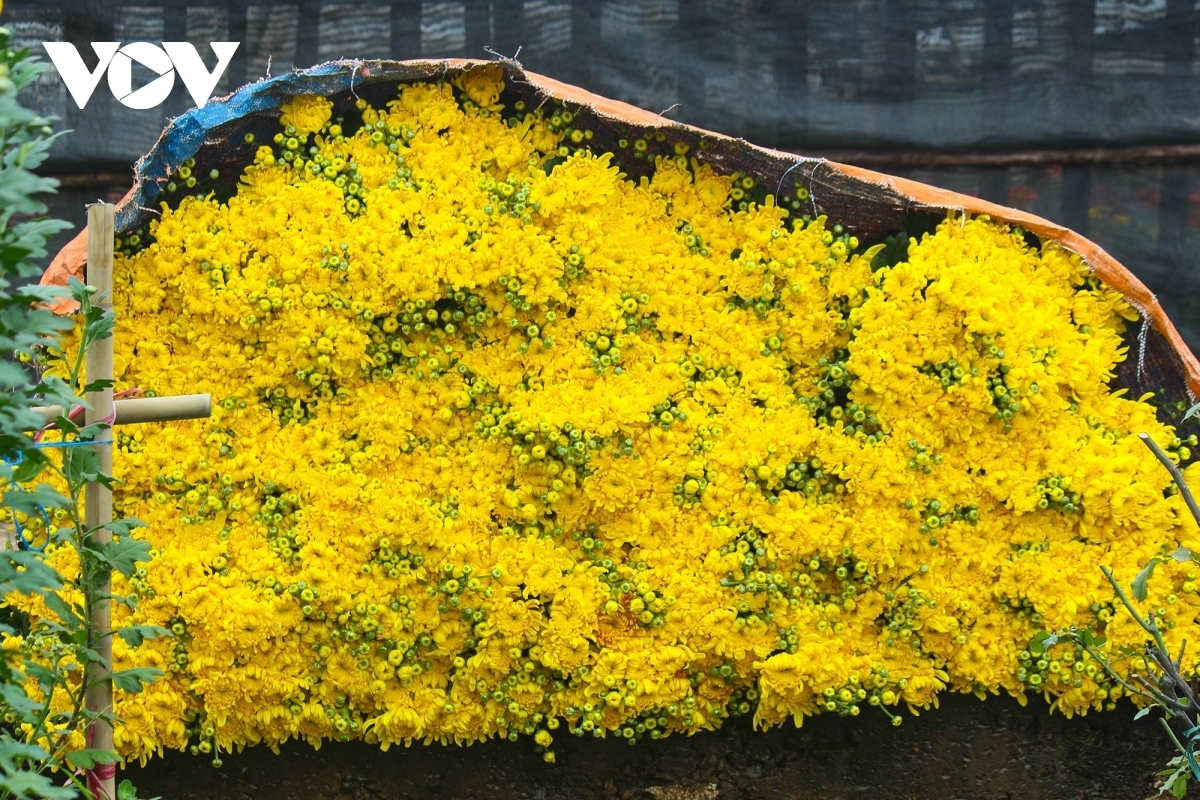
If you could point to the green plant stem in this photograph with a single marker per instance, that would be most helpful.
(1167, 727)
(86, 571)
(1176, 475)
(78, 366)
(1146, 626)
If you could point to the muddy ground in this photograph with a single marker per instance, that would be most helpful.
(991, 750)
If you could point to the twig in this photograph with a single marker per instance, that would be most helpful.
(1159, 697)
(1148, 627)
(1175, 474)
(1113, 674)
(1167, 727)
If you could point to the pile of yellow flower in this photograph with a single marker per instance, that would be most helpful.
(507, 444)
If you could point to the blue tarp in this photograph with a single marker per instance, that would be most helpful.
(185, 135)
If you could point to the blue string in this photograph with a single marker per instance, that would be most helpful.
(78, 443)
(23, 542)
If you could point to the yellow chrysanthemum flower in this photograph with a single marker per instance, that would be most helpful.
(505, 440)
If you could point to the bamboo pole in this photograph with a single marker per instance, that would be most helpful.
(163, 409)
(148, 409)
(98, 499)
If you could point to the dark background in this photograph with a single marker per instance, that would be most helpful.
(969, 749)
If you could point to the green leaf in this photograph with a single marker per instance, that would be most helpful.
(11, 374)
(1099, 641)
(1139, 581)
(127, 791)
(98, 385)
(1182, 554)
(17, 701)
(26, 784)
(1142, 713)
(90, 655)
(122, 527)
(1191, 412)
(90, 757)
(93, 431)
(124, 555)
(32, 501)
(26, 573)
(78, 291)
(83, 466)
(123, 599)
(38, 293)
(99, 325)
(1085, 636)
(64, 612)
(54, 391)
(134, 635)
(135, 679)
(65, 425)
(1041, 640)
(12, 751)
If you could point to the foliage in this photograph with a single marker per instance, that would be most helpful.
(47, 667)
(25, 139)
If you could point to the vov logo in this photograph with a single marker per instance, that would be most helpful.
(164, 61)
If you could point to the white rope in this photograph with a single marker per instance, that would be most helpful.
(1142, 346)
